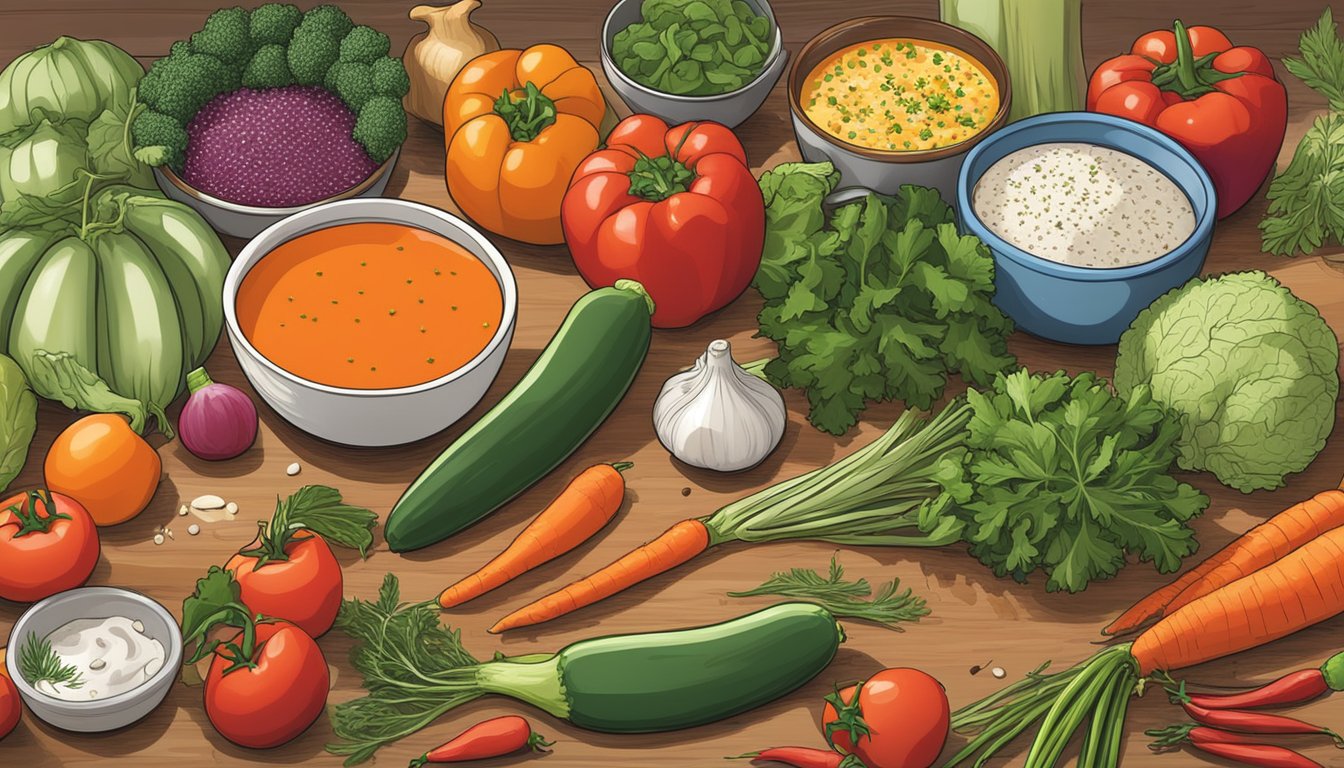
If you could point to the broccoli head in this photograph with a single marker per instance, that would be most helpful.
(268, 69)
(389, 78)
(159, 139)
(274, 23)
(179, 48)
(179, 85)
(311, 53)
(380, 127)
(352, 82)
(328, 19)
(363, 45)
(225, 36)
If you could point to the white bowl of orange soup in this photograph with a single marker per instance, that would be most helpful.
(370, 322)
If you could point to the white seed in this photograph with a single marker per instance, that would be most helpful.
(183, 510)
(207, 502)
(231, 508)
(998, 673)
(97, 664)
(169, 532)
(158, 538)
(138, 626)
(193, 529)
(293, 469)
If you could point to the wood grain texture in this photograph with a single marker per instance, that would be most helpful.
(976, 617)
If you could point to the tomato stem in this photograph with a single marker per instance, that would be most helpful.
(1187, 76)
(527, 111)
(30, 519)
(538, 743)
(848, 717)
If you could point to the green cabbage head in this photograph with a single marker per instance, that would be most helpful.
(1247, 367)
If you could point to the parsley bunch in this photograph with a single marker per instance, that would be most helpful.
(881, 302)
(1063, 475)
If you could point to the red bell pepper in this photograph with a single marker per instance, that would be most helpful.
(675, 208)
(1220, 101)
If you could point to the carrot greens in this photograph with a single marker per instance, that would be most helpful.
(844, 599)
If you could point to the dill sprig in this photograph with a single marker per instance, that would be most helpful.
(844, 599)
(39, 662)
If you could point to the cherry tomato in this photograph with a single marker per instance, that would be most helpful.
(304, 590)
(48, 544)
(906, 713)
(276, 696)
(10, 706)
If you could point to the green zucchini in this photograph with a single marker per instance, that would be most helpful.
(568, 392)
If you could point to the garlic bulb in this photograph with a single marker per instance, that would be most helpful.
(435, 57)
(717, 416)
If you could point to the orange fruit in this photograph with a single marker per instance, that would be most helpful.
(103, 464)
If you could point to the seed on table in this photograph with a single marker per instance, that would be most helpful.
(193, 529)
(231, 508)
(208, 502)
(182, 511)
(158, 538)
(293, 469)
(998, 672)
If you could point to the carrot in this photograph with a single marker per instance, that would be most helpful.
(1303, 588)
(678, 544)
(1257, 548)
(582, 509)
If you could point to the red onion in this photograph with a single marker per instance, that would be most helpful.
(219, 421)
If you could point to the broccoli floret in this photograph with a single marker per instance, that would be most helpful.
(179, 48)
(381, 127)
(389, 78)
(363, 45)
(268, 69)
(159, 139)
(179, 85)
(226, 37)
(311, 53)
(352, 82)
(274, 23)
(328, 19)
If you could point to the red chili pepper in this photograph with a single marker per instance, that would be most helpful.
(804, 757)
(1239, 747)
(489, 738)
(1293, 688)
(1220, 101)
(1253, 722)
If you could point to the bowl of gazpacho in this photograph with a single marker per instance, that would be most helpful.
(895, 100)
(370, 322)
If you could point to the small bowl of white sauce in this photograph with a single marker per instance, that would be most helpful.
(1089, 217)
(94, 659)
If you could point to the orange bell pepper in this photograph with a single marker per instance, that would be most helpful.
(517, 124)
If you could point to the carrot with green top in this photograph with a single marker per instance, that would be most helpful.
(1257, 548)
(582, 509)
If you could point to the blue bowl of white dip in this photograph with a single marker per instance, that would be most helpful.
(1089, 217)
(125, 647)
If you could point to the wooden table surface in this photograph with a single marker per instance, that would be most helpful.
(975, 617)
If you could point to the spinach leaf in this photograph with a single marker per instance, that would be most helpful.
(725, 40)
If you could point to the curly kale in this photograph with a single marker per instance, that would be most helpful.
(353, 83)
(381, 127)
(274, 23)
(268, 69)
(161, 139)
(363, 45)
(389, 78)
(225, 36)
(179, 85)
(311, 53)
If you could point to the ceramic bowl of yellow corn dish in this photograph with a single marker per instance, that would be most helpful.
(894, 100)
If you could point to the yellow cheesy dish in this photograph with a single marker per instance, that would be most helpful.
(900, 95)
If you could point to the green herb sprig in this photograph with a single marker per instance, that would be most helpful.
(844, 599)
(315, 508)
(40, 663)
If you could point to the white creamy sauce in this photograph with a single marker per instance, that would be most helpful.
(113, 656)
(1083, 205)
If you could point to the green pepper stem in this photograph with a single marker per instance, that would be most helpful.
(1187, 76)
(527, 112)
(658, 178)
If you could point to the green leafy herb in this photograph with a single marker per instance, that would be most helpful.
(315, 508)
(881, 302)
(1306, 200)
(39, 663)
(844, 599)
(216, 603)
(695, 47)
(18, 420)
(1068, 477)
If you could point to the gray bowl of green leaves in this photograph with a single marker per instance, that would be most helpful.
(699, 60)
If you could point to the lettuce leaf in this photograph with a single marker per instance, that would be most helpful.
(18, 420)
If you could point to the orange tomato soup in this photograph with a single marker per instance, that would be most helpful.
(370, 306)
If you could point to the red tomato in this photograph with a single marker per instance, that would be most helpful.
(48, 544)
(10, 706)
(277, 697)
(304, 590)
(675, 208)
(906, 713)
